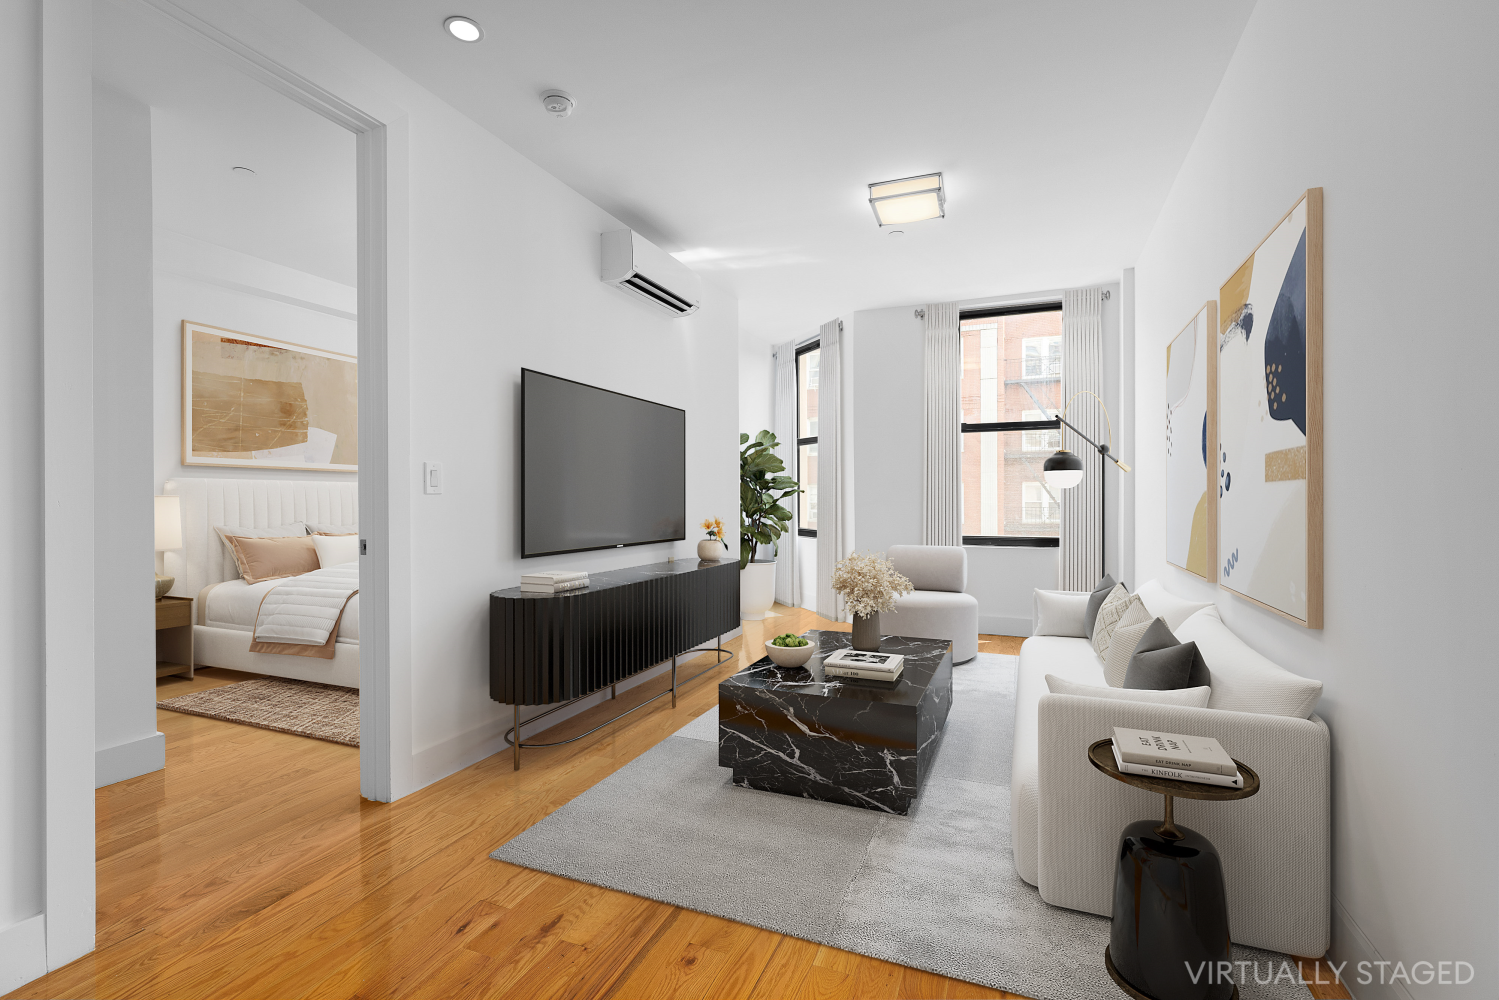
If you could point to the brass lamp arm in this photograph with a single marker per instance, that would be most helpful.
(1103, 449)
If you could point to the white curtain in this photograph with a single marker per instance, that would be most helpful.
(829, 528)
(1082, 506)
(942, 499)
(783, 426)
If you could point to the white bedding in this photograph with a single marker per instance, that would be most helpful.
(233, 605)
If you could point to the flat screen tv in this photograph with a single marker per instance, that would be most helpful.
(599, 469)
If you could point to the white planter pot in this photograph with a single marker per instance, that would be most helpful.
(757, 590)
(711, 550)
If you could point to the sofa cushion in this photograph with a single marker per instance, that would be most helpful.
(1158, 637)
(1164, 604)
(1191, 697)
(932, 567)
(1113, 608)
(1121, 647)
(1135, 613)
(1243, 680)
(1095, 601)
(1060, 612)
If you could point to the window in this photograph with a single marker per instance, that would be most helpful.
(1011, 393)
(807, 363)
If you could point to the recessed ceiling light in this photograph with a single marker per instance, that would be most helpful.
(465, 29)
(908, 199)
(242, 171)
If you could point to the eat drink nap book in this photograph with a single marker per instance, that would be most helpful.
(1185, 753)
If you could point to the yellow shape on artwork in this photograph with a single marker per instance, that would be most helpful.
(1285, 465)
(1233, 294)
(1197, 547)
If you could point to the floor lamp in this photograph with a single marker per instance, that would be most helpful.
(1064, 470)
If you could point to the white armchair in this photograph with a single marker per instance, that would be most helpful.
(938, 609)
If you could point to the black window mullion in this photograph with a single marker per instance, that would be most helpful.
(804, 349)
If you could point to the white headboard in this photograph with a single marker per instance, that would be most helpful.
(246, 503)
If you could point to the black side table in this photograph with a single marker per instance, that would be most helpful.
(1170, 907)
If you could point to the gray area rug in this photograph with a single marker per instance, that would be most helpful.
(936, 889)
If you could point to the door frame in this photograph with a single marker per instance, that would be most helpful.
(381, 132)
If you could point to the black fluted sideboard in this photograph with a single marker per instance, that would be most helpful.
(549, 648)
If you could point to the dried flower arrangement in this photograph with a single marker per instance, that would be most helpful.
(869, 584)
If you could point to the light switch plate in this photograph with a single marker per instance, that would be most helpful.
(431, 477)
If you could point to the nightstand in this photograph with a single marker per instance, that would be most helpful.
(174, 636)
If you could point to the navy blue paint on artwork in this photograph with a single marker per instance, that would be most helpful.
(1285, 345)
(1204, 439)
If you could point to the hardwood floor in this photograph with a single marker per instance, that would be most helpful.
(251, 868)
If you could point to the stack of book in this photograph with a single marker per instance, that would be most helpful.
(555, 581)
(864, 666)
(1175, 757)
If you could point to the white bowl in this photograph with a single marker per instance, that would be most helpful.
(790, 656)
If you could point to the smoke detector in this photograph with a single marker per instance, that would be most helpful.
(558, 103)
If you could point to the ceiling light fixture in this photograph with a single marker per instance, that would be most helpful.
(558, 103)
(465, 29)
(908, 199)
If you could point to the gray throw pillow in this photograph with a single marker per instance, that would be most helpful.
(1095, 601)
(1180, 666)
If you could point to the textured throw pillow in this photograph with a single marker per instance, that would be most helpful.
(1108, 616)
(1243, 680)
(261, 559)
(1133, 613)
(1121, 647)
(1095, 601)
(335, 550)
(1161, 669)
(1158, 636)
(1187, 697)
(1060, 612)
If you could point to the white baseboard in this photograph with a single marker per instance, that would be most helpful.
(23, 952)
(1350, 944)
(129, 760)
(998, 625)
(451, 756)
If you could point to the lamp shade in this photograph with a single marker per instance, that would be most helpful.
(1063, 470)
(909, 199)
(168, 523)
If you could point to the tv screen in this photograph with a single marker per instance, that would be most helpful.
(599, 469)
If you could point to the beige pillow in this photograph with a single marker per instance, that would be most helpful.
(1118, 604)
(1121, 647)
(261, 559)
(1190, 697)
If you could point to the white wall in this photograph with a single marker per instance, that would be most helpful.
(125, 738)
(756, 386)
(22, 955)
(222, 287)
(1392, 115)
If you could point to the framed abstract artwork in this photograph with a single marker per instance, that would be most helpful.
(250, 402)
(1192, 445)
(1270, 420)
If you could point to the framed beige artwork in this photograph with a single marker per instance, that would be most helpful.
(253, 402)
(1192, 445)
(1270, 420)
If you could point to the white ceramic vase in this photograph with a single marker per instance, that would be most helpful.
(712, 550)
(757, 590)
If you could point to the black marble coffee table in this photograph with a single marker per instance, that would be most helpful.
(861, 743)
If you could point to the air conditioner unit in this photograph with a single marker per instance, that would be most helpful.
(634, 264)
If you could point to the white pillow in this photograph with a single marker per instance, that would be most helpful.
(1164, 604)
(332, 529)
(1060, 612)
(1243, 680)
(1190, 697)
(335, 550)
(1121, 647)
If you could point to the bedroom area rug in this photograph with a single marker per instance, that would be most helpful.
(302, 708)
(936, 889)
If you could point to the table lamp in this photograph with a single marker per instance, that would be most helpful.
(168, 536)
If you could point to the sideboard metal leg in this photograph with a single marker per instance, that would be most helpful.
(613, 691)
(517, 737)
(674, 682)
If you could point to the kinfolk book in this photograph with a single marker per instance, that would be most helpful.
(1184, 753)
(1234, 780)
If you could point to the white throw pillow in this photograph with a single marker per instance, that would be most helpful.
(1164, 604)
(332, 529)
(1121, 647)
(335, 550)
(1190, 697)
(1108, 616)
(1243, 680)
(1133, 613)
(1060, 612)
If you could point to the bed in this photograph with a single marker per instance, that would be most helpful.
(225, 606)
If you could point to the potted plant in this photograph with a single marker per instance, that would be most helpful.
(762, 519)
(868, 584)
(713, 548)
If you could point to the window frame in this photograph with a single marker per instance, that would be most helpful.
(1011, 541)
(807, 348)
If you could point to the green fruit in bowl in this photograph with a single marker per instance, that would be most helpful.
(788, 640)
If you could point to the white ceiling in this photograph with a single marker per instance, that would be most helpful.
(299, 209)
(744, 133)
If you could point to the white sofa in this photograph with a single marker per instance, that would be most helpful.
(1066, 816)
(938, 609)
